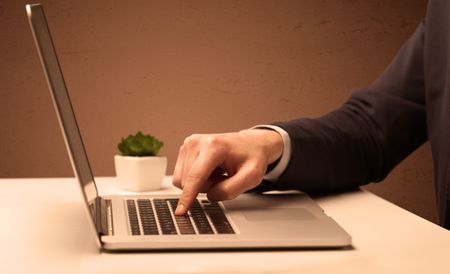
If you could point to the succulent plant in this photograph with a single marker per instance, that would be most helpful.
(140, 145)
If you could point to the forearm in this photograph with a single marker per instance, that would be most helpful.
(334, 152)
(354, 145)
(365, 138)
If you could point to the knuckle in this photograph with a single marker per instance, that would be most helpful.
(192, 139)
(181, 149)
(215, 140)
(194, 175)
(227, 194)
(176, 179)
(176, 182)
(215, 143)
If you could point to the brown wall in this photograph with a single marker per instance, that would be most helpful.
(173, 68)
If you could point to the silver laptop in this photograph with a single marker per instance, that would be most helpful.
(148, 222)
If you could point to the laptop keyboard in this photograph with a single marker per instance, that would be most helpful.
(156, 217)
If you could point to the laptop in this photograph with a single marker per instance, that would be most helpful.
(147, 222)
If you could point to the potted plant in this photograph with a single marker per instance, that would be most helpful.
(139, 168)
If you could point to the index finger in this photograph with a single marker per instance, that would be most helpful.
(202, 168)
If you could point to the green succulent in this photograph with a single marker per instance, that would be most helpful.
(140, 145)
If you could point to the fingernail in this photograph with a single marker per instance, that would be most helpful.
(179, 210)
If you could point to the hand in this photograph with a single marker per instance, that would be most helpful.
(224, 165)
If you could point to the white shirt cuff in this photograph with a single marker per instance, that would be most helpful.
(275, 173)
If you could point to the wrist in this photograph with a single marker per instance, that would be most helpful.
(268, 140)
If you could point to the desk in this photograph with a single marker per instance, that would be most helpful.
(44, 230)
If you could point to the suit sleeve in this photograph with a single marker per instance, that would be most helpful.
(366, 137)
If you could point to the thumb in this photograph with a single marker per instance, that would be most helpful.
(248, 176)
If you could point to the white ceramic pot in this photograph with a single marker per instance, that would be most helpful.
(140, 173)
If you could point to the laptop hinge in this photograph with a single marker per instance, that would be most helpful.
(104, 217)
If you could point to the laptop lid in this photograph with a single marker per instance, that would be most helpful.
(64, 111)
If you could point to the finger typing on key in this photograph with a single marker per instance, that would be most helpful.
(223, 165)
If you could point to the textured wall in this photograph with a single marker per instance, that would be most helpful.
(173, 68)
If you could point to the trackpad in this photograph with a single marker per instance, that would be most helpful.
(278, 214)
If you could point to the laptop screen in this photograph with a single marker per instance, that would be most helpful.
(63, 106)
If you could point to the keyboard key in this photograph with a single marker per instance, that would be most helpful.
(218, 219)
(132, 214)
(200, 219)
(196, 221)
(183, 222)
(164, 217)
(147, 216)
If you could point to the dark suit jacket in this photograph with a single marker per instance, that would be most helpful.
(380, 125)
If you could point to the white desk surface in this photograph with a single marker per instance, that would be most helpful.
(44, 230)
